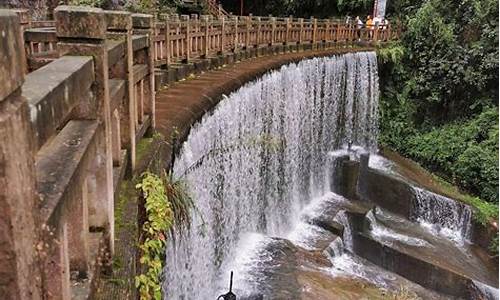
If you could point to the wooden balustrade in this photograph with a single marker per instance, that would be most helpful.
(183, 38)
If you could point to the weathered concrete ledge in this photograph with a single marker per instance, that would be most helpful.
(54, 90)
(416, 269)
(360, 182)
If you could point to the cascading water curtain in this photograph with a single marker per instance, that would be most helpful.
(261, 156)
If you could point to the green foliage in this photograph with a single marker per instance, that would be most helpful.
(93, 3)
(167, 204)
(392, 53)
(303, 8)
(494, 245)
(465, 152)
(439, 92)
(159, 221)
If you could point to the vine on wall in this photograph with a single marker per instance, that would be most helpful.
(167, 204)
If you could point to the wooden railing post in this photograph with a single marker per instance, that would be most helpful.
(143, 24)
(168, 47)
(195, 27)
(89, 39)
(236, 39)
(314, 22)
(185, 20)
(222, 35)
(327, 31)
(273, 30)
(288, 28)
(248, 22)
(120, 24)
(301, 31)
(258, 34)
(19, 204)
(206, 21)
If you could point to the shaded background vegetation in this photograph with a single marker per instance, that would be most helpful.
(440, 90)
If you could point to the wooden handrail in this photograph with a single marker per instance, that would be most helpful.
(182, 39)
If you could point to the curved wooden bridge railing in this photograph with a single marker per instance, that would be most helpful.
(179, 39)
(183, 38)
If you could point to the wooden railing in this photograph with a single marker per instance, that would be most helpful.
(182, 38)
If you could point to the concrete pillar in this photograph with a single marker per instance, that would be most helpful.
(273, 31)
(301, 31)
(185, 19)
(222, 35)
(288, 27)
(314, 22)
(78, 231)
(168, 48)
(56, 264)
(121, 23)
(259, 34)
(236, 39)
(206, 23)
(89, 39)
(143, 24)
(20, 275)
(248, 22)
(116, 142)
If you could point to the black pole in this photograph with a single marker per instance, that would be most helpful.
(231, 280)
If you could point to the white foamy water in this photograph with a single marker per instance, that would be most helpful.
(346, 264)
(255, 163)
(442, 215)
(486, 291)
(388, 235)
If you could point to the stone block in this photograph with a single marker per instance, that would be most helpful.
(388, 192)
(201, 65)
(422, 272)
(24, 16)
(139, 42)
(12, 59)
(142, 21)
(54, 90)
(18, 203)
(118, 20)
(350, 175)
(80, 22)
(336, 174)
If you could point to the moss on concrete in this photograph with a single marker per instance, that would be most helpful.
(142, 147)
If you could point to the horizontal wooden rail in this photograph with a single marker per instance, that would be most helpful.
(182, 38)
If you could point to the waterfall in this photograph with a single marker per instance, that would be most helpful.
(381, 6)
(442, 215)
(343, 219)
(486, 292)
(388, 235)
(261, 156)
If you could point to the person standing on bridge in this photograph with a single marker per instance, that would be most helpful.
(369, 26)
(359, 26)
